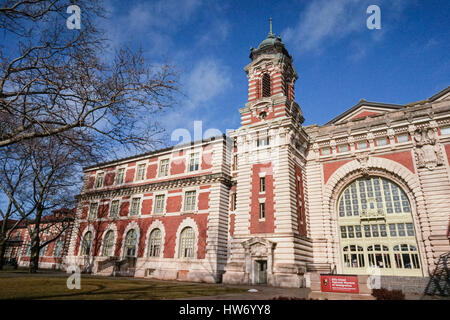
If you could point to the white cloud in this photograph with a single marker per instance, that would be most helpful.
(206, 80)
(324, 22)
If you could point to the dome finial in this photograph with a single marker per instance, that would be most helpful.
(270, 24)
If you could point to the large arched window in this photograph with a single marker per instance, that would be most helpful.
(130, 243)
(376, 228)
(154, 244)
(86, 245)
(108, 244)
(187, 238)
(266, 85)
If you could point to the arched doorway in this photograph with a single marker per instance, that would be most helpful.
(376, 229)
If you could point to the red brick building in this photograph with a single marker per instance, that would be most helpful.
(276, 201)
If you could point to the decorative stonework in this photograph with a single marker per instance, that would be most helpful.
(427, 148)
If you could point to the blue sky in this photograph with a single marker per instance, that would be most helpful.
(338, 59)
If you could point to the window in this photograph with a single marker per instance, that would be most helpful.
(108, 244)
(130, 243)
(140, 172)
(266, 85)
(58, 248)
(379, 256)
(93, 211)
(189, 201)
(353, 256)
(325, 151)
(135, 205)
(445, 131)
(43, 251)
(120, 176)
(406, 257)
(159, 203)
(99, 180)
(154, 245)
(402, 138)
(86, 244)
(263, 142)
(262, 184)
(262, 210)
(194, 162)
(187, 238)
(114, 211)
(362, 145)
(235, 162)
(233, 201)
(28, 249)
(343, 148)
(164, 168)
(382, 141)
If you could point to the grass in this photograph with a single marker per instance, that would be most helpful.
(46, 286)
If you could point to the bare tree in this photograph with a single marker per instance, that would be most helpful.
(54, 80)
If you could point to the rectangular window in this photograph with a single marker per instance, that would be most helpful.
(99, 180)
(164, 168)
(325, 151)
(263, 142)
(402, 138)
(445, 131)
(392, 231)
(343, 232)
(367, 231)
(343, 148)
(159, 203)
(358, 231)
(383, 230)
(235, 160)
(114, 211)
(194, 162)
(362, 145)
(410, 229)
(401, 229)
(382, 141)
(120, 176)
(262, 184)
(140, 172)
(233, 202)
(135, 205)
(189, 201)
(262, 210)
(93, 210)
(350, 232)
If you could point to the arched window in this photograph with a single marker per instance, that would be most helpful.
(406, 256)
(187, 238)
(86, 245)
(108, 244)
(154, 244)
(130, 243)
(266, 85)
(375, 215)
(58, 248)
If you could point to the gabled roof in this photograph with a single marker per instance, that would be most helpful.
(441, 95)
(363, 109)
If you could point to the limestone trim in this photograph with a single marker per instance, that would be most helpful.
(111, 227)
(188, 222)
(157, 224)
(388, 169)
(130, 226)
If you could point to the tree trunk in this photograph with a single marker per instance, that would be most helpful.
(2, 252)
(35, 248)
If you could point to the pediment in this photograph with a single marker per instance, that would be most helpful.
(364, 109)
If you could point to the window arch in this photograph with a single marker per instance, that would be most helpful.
(131, 243)
(266, 92)
(187, 238)
(108, 244)
(154, 243)
(86, 245)
(375, 222)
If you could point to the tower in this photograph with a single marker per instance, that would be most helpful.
(269, 240)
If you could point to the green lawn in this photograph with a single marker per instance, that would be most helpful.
(45, 286)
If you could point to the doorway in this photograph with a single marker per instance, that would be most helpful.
(261, 271)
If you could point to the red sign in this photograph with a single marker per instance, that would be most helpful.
(337, 283)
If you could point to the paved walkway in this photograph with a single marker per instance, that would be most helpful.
(262, 293)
